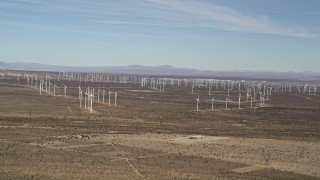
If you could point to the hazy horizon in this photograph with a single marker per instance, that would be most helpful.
(155, 66)
(218, 35)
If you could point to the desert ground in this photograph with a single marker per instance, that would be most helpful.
(154, 134)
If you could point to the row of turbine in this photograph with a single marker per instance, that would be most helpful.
(45, 86)
(262, 101)
(89, 97)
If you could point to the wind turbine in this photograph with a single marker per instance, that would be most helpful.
(92, 92)
(91, 98)
(54, 89)
(212, 103)
(36, 80)
(46, 84)
(28, 80)
(79, 91)
(239, 100)
(49, 85)
(309, 89)
(109, 98)
(115, 98)
(65, 90)
(31, 82)
(99, 95)
(103, 96)
(227, 103)
(262, 101)
(85, 99)
(198, 100)
(40, 84)
(89, 95)
(80, 94)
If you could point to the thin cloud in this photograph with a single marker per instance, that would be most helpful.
(171, 13)
(220, 17)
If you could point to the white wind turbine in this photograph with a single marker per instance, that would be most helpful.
(85, 99)
(90, 97)
(239, 100)
(115, 98)
(103, 96)
(262, 101)
(80, 94)
(99, 95)
(79, 91)
(65, 90)
(198, 100)
(54, 89)
(28, 81)
(227, 103)
(31, 82)
(49, 84)
(109, 98)
(46, 83)
(212, 100)
(40, 84)
(92, 92)
(36, 79)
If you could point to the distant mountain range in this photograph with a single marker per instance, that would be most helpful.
(165, 70)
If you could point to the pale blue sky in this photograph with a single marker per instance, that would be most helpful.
(278, 35)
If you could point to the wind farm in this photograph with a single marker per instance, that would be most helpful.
(134, 126)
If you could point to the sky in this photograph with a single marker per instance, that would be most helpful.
(276, 35)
